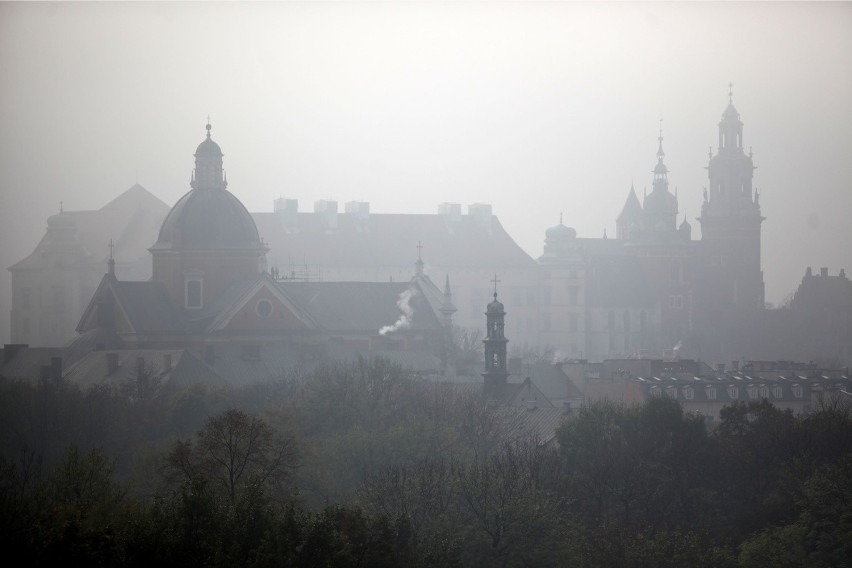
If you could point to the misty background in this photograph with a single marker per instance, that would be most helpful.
(536, 108)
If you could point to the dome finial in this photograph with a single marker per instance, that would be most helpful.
(208, 127)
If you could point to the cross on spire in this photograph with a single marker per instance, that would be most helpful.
(110, 246)
(730, 93)
(60, 207)
(419, 250)
(495, 281)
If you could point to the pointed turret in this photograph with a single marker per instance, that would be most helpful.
(630, 218)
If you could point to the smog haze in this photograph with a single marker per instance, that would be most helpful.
(539, 109)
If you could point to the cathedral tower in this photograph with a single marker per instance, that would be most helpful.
(731, 220)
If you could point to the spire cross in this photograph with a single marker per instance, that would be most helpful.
(419, 250)
(661, 128)
(495, 281)
(730, 93)
(110, 246)
(60, 207)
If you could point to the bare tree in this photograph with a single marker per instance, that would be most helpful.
(234, 450)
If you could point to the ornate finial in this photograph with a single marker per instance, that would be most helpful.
(208, 127)
(495, 281)
(419, 250)
(730, 93)
(661, 128)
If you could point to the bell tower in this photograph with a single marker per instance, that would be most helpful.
(731, 220)
(496, 373)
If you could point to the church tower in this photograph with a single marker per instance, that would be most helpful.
(496, 372)
(731, 220)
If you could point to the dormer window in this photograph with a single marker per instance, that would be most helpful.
(193, 294)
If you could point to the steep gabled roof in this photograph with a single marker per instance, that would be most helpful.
(145, 306)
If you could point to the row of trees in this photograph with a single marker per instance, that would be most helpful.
(365, 465)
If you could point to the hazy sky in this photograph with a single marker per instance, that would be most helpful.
(535, 108)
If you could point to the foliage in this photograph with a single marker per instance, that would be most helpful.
(367, 464)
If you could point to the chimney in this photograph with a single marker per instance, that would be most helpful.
(450, 211)
(112, 362)
(823, 271)
(12, 349)
(56, 368)
(167, 362)
(287, 213)
(327, 210)
(360, 213)
(843, 273)
(481, 214)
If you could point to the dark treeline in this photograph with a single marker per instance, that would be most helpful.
(363, 464)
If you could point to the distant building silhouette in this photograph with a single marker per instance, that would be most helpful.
(651, 291)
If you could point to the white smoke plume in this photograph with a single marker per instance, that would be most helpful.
(405, 319)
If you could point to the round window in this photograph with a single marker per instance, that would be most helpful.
(264, 308)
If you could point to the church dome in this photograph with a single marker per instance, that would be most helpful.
(560, 231)
(208, 217)
(208, 220)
